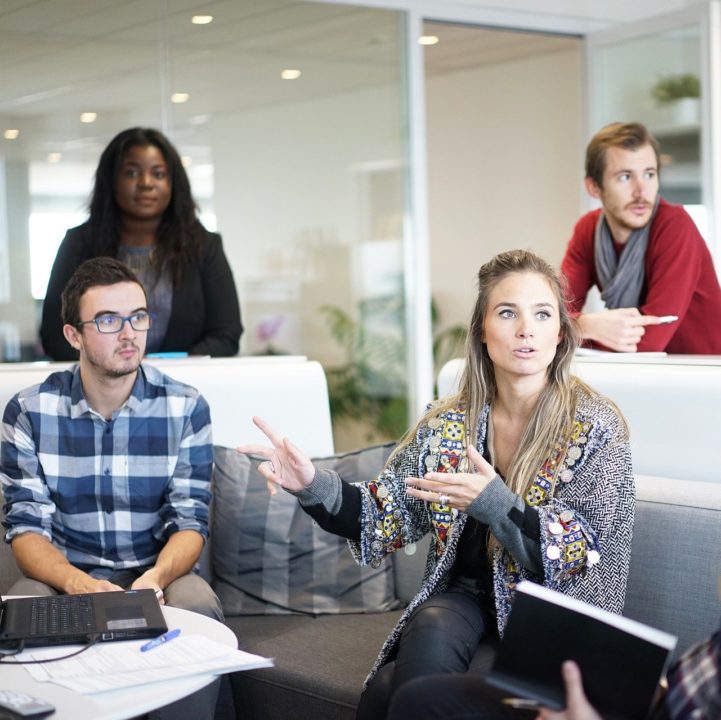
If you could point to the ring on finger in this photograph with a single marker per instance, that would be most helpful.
(443, 499)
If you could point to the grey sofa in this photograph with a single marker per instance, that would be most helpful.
(321, 661)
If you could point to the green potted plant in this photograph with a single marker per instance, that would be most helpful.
(671, 88)
(681, 95)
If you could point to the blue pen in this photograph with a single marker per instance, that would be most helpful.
(160, 640)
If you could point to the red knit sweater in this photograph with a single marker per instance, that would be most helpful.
(680, 280)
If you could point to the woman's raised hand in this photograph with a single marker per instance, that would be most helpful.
(456, 490)
(285, 465)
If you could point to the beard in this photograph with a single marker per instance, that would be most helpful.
(114, 366)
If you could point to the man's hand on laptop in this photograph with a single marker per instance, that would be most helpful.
(144, 582)
(83, 583)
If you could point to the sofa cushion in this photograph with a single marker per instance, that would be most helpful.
(675, 561)
(270, 557)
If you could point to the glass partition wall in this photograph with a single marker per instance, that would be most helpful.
(659, 73)
(290, 117)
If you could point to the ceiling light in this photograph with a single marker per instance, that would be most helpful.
(186, 160)
(202, 19)
(429, 39)
(11, 134)
(291, 74)
(88, 117)
(179, 98)
(54, 157)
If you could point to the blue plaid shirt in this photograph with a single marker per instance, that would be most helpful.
(107, 493)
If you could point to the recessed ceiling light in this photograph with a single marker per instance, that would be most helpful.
(429, 39)
(54, 157)
(202, 19)
(11, 134)
(179, 98)
(291, 74)
(186, 160)
(88, 117)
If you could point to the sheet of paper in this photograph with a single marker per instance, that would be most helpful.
(111, 666)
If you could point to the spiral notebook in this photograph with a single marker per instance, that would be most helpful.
(621, 660)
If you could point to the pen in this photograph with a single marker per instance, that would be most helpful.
(160, 640)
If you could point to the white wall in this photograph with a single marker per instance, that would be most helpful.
(505, 168)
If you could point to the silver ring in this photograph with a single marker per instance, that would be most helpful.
(443, 499)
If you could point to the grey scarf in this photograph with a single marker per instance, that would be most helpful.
(621, 279)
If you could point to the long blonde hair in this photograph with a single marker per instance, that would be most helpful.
(551, 420)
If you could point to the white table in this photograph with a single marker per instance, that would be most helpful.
(127, 703)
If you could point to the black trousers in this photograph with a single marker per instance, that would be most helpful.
(441, 637)
(455, 696)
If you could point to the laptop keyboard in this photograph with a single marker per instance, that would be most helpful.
(61, 615)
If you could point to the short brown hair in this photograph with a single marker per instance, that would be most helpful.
(629, 136)
(92, 273)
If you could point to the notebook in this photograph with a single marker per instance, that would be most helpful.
(621, 660)
(70, 619)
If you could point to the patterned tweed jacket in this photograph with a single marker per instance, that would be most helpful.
(586, 521)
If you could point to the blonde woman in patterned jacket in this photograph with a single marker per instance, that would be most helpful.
(525, 473)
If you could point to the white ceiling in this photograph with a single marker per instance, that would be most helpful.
(123, 58)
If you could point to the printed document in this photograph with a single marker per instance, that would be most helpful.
(111, 666)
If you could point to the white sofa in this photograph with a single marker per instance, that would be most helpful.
(672, 405)
(290, 392)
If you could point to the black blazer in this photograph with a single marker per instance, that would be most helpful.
(204, 318)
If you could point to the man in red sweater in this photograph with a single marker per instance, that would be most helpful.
(645, 255)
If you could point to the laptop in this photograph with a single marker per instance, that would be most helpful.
(76, 619)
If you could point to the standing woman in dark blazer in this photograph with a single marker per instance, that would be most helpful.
(143, 213)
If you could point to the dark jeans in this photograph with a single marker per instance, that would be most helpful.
(441, 637)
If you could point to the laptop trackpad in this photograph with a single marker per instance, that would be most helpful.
(125, 618)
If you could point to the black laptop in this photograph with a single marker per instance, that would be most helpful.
(72, 619)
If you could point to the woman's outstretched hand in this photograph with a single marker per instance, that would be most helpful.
(285, 465)
(457, 490)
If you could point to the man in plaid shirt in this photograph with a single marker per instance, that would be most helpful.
(106, 466)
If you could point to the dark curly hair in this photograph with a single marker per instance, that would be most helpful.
(180, 232)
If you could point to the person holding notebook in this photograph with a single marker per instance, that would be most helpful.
(106, 466)
(525, 473)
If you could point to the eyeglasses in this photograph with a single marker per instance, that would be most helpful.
(108, 324)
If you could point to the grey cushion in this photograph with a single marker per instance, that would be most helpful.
(268, 555)
(675, 560)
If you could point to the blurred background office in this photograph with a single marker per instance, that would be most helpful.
(361, 160)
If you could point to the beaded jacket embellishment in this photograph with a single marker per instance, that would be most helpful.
(568, 457)
(569, 547)
(447, 455)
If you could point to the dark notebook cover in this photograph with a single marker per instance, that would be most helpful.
(621, 660)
